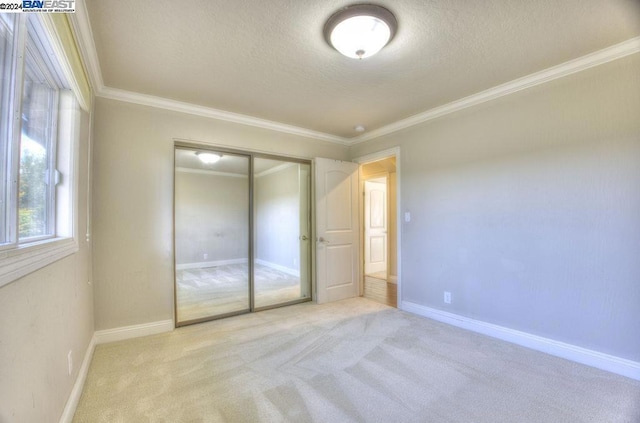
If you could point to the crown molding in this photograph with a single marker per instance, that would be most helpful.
(275, 169)
(82, 26)
(210, 172)
(208, 112)
(599, 57)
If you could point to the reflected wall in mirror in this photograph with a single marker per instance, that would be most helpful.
(282, 243)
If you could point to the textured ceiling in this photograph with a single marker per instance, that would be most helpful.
(268, 59)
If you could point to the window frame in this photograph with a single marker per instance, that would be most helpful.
(11, 155)
(21, 257)
(6, 70)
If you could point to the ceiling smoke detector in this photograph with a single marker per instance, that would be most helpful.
(360, 30)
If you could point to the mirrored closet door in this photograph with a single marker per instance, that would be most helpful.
(242, 233)
(211, 235)
(282, 242)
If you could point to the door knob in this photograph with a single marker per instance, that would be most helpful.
(304, 237)
(322, 240)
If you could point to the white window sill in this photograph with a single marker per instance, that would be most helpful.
(18, 262)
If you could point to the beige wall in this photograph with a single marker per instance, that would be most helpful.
(277, 217)
(212, 217)
(43, 316)
(526, 209)
(133, 201)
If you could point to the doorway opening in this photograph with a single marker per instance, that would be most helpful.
(379, 230)
(242, 232)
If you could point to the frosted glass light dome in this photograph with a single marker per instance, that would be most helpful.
(361, 30)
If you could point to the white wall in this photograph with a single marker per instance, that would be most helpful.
(212, 217)
(277, 218)
(527, 209)
(133, 201)
(43, 316)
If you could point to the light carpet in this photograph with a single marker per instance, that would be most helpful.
(349, 361)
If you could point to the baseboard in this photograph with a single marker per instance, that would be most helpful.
(76, 392)
(610, 363)
(287, 270)
(135, 331)
(203, 264)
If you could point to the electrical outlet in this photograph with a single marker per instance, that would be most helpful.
(447, 297)
(205, 256)
(70, 361)
(407, 217)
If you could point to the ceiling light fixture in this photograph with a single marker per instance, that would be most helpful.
(360, 30)
(208, 158)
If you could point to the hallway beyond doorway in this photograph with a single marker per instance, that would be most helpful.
(380, 291)
(379, 227)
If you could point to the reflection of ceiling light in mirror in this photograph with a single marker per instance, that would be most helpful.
(208, 158)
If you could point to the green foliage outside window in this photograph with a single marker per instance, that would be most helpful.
(32, 213)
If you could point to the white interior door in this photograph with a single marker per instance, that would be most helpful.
(375, 227)
(337, 229)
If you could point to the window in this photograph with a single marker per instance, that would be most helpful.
(36, 189)
(38, 131)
